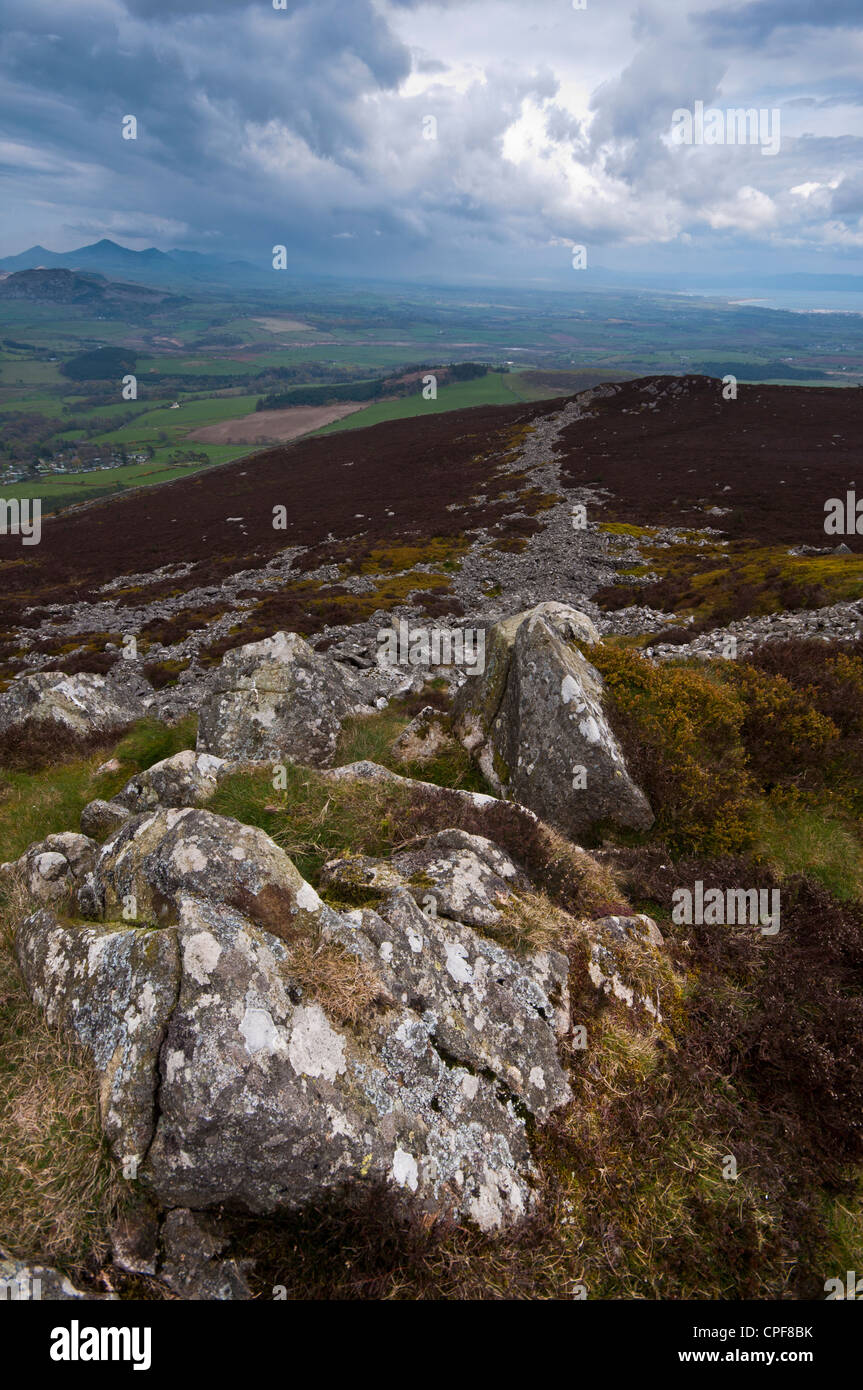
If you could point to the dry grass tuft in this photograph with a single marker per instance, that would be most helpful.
(345, 987)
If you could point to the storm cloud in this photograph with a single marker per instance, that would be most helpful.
(475, 138)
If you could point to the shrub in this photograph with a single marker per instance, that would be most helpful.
(781, 731)
(681, 733)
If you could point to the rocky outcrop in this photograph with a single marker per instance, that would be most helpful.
(452, 873)
(537, 726)
(81, 704)
(278, 700)
(227, 1070)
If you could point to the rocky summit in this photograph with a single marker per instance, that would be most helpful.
(257, 1046)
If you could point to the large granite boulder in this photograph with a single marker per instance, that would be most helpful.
(82, 703)
(278, 700)
(536, 723)
(230, 1072)
(154, 860)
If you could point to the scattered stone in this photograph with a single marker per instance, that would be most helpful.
(52, 869)
(191, 1246)
(425, 738)
(135, 1240)
(838, 622)
(99, 819)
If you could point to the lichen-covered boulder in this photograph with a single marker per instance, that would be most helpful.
(80, 703)
(228, 1068)
(52, 869)
(186, 779)
(153, 860)
(114, 987)
(537, 725)
(278, 700)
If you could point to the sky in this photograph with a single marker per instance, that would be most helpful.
(465, 140)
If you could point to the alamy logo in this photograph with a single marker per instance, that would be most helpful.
(852, 1287)
(844, 515)
(743, 906)
(736, 126)
(436, 646)
(22, 1289)
(76, 1343)
(15, 519)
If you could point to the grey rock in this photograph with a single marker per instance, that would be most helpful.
(134, 1239)
(278, 700)
(154, 860)
(80, 703)
(459, 875)
(267, 1103)
(99, 819)
(424, 738)
(186, 779)
(536, 724)
(232, 1083)
(114, 988)
(52, 869)
(491, 1012)
(191, 1246)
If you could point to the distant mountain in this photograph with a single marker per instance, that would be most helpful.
(56, 285)
(151, 266)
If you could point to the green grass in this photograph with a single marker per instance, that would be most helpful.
(493, 389)
(803, 840)
(45, 802)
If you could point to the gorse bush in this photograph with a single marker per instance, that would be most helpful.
(738, 755)
(681, 732)
(781, 731)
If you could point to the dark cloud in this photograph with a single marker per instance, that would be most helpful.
(305, 126)
(756, 21)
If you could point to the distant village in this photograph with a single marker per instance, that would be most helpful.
(77, 458)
